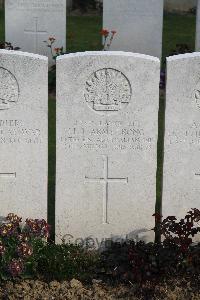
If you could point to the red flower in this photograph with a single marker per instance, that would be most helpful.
(38, 228)
(113, 32)
(104, 32)
(24, 250)
(13, 218)
(16, 267)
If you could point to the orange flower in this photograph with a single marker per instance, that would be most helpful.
(104, 32)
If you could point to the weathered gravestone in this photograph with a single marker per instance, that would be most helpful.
(31, 22)
(107, 106)
(198, 26)
(138, 24)
(23, 134)
(181, 181)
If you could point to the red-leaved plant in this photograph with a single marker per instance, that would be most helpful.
(181, 232)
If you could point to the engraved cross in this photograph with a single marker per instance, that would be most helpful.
(36, 31)
(105, 179)
(8, 176)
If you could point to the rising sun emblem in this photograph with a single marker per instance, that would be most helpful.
(9, 89)
(107, 91)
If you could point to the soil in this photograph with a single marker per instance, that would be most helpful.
(75, 290)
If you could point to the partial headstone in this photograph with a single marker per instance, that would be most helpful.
(23, 134)
(107, 107)
(181, 181)
(197, 46)
(138, 24)
(28, 23)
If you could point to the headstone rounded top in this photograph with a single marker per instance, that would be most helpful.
(23, 54)
(108, 53)
(183, 56)
(9, 89)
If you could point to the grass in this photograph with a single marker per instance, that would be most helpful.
(83, 34)
(2, 26)
(178, 29)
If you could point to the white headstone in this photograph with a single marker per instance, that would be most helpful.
(181, 181)
(28, 23)
(107, 106)
(23, 134)
(138, 24)
(198, 26)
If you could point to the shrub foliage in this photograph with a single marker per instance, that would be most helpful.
(25, 252)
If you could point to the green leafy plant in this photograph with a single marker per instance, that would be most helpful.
(26, 253)
(20, 244)
(65, 262)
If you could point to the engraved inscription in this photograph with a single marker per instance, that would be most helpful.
(9, 89)
(108, 90)
(17, 132)
(105, 180)
(47, 5)
(116, 135)
(189, 135)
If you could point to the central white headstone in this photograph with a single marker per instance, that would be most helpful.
(31, 22)
(107, 107)
(23, 134)
(138, 24)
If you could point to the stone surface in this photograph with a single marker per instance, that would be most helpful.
(138, 24)
(107, 106)
(28, 23)
(181, 181)
(23, 134)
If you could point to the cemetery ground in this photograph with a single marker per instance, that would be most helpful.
(55, 267)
